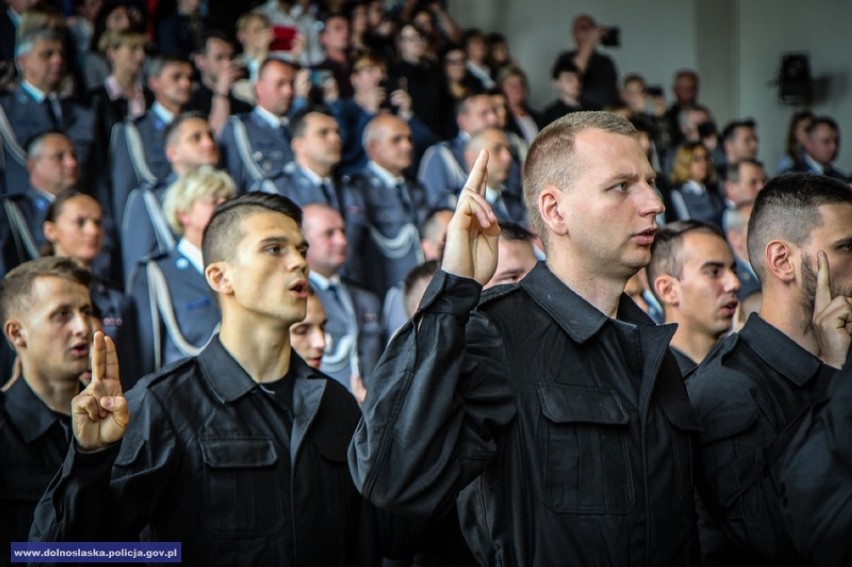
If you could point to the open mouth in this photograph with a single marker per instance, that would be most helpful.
(80, 350)
(299, 288)
(730, 308)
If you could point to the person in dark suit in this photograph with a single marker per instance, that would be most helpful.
(10, 16)
(137, 148)
(256, 145)
(121, 95)
(822, 147)
(354, 323)
(34, 107)
(175, 308)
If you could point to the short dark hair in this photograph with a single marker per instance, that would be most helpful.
(665, 251)
(174, 126)
(224, 231)
(156, 64)
(16, 287)
(730, 129)
(732, 170)
(299, 121)
(788, 209)
(564, 65)
(514, 232)
(272, 58)
(214, 34)
(822, 121)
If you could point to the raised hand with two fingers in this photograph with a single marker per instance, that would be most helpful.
(99, 413)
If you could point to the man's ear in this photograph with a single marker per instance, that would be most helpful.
(779, 259)
(218, 276)
(548, 208)
(667, 288)
(15, 333)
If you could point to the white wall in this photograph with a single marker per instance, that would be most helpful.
(736, 45)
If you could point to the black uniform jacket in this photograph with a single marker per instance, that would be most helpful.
(570, 433)
(751, 392)
(208, 460)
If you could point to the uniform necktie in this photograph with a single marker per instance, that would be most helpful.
(51, 113)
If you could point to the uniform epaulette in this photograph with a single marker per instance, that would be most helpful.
(492, 294)
(150, 380)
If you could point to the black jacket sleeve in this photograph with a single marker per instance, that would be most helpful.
(438, 406)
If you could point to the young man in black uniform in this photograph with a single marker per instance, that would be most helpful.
(751, 391)
(239, 453)
(47, 318)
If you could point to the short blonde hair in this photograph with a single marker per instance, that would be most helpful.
(192, 186)
(549, 161)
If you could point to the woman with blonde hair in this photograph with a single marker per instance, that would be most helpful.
(175, 308)
(695, 194)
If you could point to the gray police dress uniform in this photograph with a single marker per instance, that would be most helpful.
(254, 150)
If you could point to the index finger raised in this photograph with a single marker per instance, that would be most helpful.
(476, 180)
(823, 295)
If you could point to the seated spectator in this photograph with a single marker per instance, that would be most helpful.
(744, 179)
(307, 337)
(599, 78)
(176, 311)
(335, 40)
(137, 147)
(460, 82)
(180, 29)
(443, 169)
(507, 205)
(499, 57)
(476, 51)
(415, 285)
(822, 147)
(121, 94)
(797, 134)
(395, 206)
(739, 142)
(568, 82)
(144, 228)
(419, 73)
(515, 255)
(212, 97)
(96, 67)
(254, 33)
(523, 120)
(694, 194)
(74, 228)
(353, 312)
(35, 106)
(256, 144)
(297, 27)
(373, 94)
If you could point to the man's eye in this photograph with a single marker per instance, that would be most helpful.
(273, 249)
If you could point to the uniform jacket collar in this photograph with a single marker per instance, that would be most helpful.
(779, 351)
(31, 417)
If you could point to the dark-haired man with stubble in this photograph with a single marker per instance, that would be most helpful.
(47, 318)
(751, 391)
(239, 453)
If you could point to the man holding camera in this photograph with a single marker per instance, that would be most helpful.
(600, 77)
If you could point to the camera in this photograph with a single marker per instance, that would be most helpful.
(611, 37)
(654, 90)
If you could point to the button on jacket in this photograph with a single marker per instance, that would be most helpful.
(570, 433)
(209, 460)
(750, 393)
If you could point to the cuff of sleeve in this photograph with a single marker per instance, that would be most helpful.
(81, 459)
(451, 294)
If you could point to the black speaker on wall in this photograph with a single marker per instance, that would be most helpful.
(795, 81)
